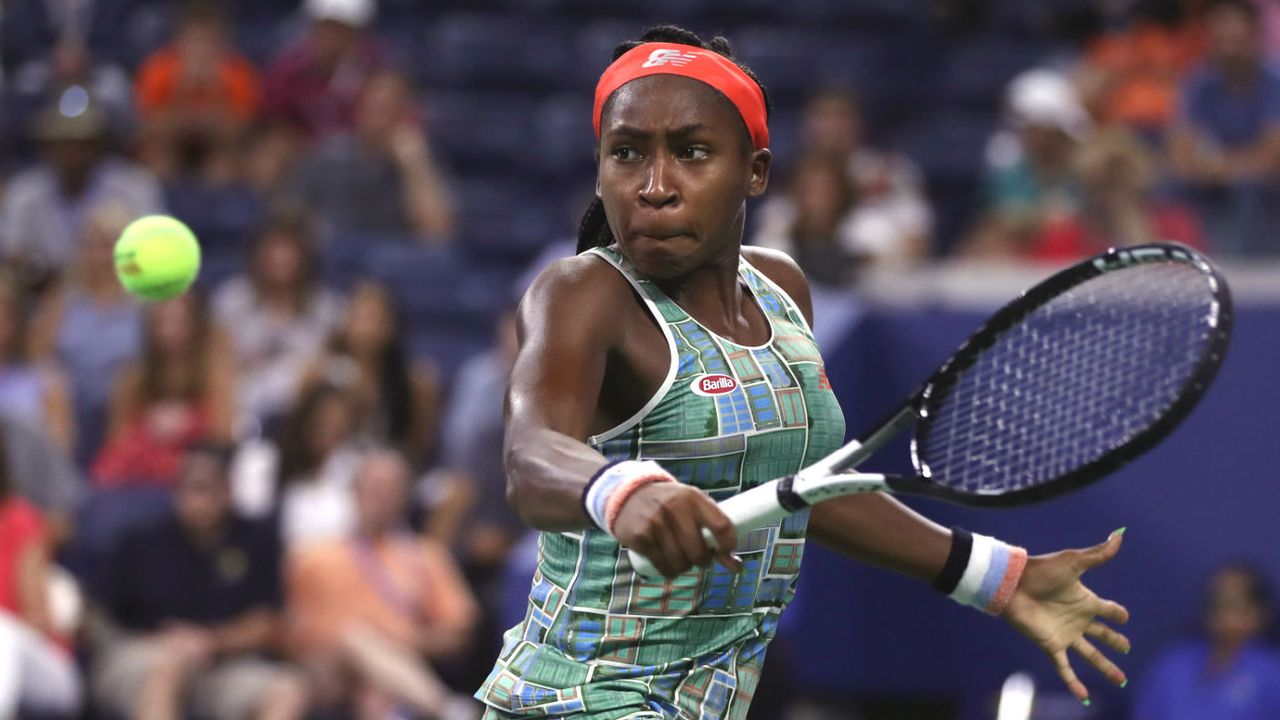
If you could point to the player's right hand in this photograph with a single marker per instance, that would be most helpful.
(663, 521)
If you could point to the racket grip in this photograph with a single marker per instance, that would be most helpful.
(749, 510)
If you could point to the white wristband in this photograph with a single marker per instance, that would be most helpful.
(612, 486)
(991, 576)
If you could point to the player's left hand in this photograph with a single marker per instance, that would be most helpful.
(1057, 612)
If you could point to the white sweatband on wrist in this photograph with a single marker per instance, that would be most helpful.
(614, 484)
(991, 575)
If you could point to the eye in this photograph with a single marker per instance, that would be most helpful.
(695, 152)
(625, 153)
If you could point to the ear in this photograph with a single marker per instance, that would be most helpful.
(761, 162)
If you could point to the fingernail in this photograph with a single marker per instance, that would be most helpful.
(1120, 531)
(1085, 702)
(1125, 682)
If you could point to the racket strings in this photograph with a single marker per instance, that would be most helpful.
(1076, 378)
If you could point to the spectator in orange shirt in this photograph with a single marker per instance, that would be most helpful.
(1131, 77)
(367, 610)
(195, 95)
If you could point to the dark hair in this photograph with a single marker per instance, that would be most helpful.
(290, 220)
(203, 12)
(1260, 592)
(594, 229)
(199, 356)
(395, 391)
(297, 456)
(1244, 7)
(220, 452)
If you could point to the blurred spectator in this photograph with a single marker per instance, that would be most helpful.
(49, 46)
(43, 475)
(374, 605)
(30, 392)
(1232, 673)
(380, 178)
(277, 315)
(397, 396)
(1130, 77)
(179, 391)
(1225, 142)
(37, 667)
(821, 224)
(473, 432)
(307, 476)
(191, 608)
(1030, 174)
(315, 83)
(90, 326)
(887, 185)
(195, 95)
(45, 206)
(1117, 175)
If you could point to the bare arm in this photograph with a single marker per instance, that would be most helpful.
(569, 323)
(425, 196)
(566, 328)
(254, 630)
(32, 587)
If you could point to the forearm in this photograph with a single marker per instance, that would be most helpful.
(547, 473)
(439, 641)
(255, 630)
(427, 200)
(877, 529)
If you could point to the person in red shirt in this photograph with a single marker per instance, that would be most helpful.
(314, 85)
(37, 669)
(196, 92)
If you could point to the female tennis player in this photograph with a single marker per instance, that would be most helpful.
(667, 367)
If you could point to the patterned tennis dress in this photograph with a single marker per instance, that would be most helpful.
(598, 641)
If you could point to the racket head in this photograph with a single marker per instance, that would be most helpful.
(1074, 378)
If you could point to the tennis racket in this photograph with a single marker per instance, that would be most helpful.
(1071, 380)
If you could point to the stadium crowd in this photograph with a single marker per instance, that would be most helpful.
(281, 494)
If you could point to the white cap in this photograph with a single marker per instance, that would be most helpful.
(1047, 98)
(356, 13)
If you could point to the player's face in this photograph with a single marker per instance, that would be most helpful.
(674, 172)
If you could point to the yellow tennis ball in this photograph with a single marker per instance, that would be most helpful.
(157, 257)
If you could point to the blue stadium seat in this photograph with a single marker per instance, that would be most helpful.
(492, 52)
(475, 129)
(974, 73)
(563, 139)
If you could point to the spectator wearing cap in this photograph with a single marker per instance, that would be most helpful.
(190, 610)
(195, 95)
(380, 178)
(1224, 143)
(46, 206)
(315, 83)
(1031, 174)
(373, 605)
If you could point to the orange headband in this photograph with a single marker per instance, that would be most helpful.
(703, 65)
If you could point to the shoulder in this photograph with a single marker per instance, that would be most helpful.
(586, 279)
(780, 268)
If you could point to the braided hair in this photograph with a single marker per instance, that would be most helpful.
(594, 229)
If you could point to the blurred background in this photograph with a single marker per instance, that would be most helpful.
(281, 495)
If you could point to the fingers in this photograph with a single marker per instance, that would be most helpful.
(723, 533)
(1068, 676)
(670, 558)
(1100, 661)
(1114, 640)
(688, 534)
(1103, 551)
(1113, 611)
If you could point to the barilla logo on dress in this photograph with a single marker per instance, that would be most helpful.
(712, 385)
(666, 56)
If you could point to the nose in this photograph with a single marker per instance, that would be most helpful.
(659, 188)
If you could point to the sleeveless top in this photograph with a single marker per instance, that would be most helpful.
(599, 639)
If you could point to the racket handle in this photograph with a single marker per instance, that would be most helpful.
(747, 511)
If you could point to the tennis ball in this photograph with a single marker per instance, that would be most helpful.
(157, 257)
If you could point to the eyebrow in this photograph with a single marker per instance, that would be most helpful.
(637, 132)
